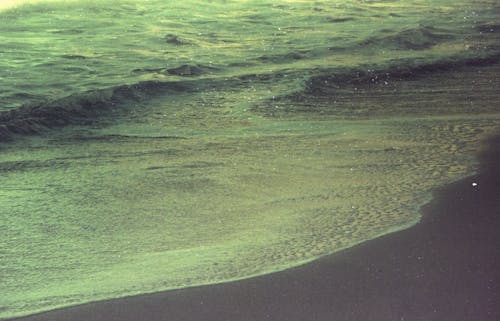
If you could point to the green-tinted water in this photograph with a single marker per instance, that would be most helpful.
(254, 135)
(51, 49)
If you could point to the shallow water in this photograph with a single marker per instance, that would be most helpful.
(151, 145)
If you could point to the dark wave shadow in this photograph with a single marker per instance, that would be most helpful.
(80, 109)
(85, 108)
(360, 93)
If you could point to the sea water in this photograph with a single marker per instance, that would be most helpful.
(154, 145)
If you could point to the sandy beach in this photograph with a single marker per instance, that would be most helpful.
(444, 268)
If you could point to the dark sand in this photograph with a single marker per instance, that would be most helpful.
(445, 268)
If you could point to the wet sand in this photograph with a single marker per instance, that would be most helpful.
(445, 268)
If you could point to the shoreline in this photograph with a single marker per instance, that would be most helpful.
(446, 267)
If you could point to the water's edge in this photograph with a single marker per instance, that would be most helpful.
(484, 147)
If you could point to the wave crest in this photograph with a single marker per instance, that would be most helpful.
(78, 109)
